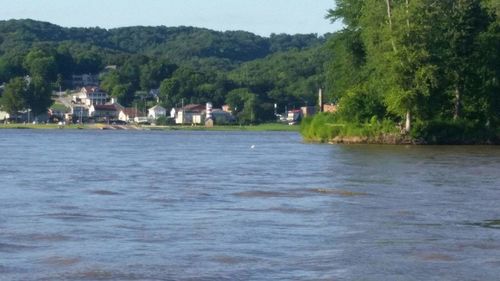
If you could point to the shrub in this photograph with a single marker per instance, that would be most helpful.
(453, 132)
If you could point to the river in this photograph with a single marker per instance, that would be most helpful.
(181, 205)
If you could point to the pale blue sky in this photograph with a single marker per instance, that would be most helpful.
(262, 17)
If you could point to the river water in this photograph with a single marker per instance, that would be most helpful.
(122, 205)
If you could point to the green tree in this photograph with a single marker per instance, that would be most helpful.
(123, 93)
(41, 64)
(169, 92)
(13, 98)
(466, 21)
(39, 96)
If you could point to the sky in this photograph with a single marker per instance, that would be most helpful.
(261, 17)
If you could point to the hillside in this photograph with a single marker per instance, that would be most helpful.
(186, 63)
(176, 43)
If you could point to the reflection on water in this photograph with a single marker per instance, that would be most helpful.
(83, 205)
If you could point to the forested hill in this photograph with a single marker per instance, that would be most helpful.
(187, 64)
(176, 43)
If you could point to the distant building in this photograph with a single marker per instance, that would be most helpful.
(156, 112)
(330, 107)
(4, 116)
(294, 116)
(129, 114)
(83, 80)
(308, 111)
(103, 112)
(190, 114)
(77, 113)
(91, 96)
(28, 116)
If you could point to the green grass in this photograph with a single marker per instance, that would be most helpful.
(257, 128)
(42, 126)
(58, 106)
(325, 127)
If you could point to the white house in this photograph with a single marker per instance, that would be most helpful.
(91, 96)
(156, 112)
(79, 111)
(4, 115)
(103, 111)
(190, 114)
(129, 114)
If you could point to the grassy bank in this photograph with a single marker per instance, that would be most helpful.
(327, 128)
(260, 127)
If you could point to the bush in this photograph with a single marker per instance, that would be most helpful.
(453, 132)
(326, 126)
(163, 121)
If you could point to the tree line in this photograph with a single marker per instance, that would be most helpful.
(427, 65)
(186, 64)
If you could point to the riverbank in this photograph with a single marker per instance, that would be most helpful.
(325, 128)
(260, 127)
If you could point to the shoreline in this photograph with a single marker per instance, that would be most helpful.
(261, 127)
(393, 139)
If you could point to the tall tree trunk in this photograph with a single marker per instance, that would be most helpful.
(389, 16)
(408, 17)
(408, 121)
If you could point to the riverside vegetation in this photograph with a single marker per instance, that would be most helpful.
(188, 65)
(401, 71)
(413, 71)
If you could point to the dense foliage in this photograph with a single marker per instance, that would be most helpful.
(186, 64)
(423, 64)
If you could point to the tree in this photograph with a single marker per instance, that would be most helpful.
(466, 20)
(244, 104)
(169, 92)
(13, 98)
(39, 96)
(123, 93)
(41, 64)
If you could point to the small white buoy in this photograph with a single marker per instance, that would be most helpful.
(252, 146)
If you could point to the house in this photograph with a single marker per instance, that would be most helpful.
(129, 114)
(330, 108)
(308, 111)
(83, 80)
(190, 114)
(28, 116)
(294, 116)
(103, 112)
(156, 112)
(78, 112)
(4, 116)
(91, 96)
